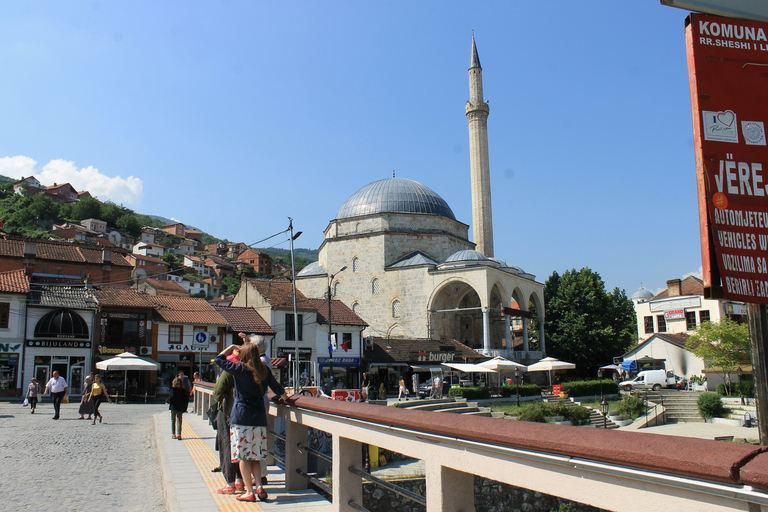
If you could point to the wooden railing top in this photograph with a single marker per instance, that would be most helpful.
(732, 463)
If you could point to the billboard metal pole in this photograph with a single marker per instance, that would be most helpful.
(758, 337)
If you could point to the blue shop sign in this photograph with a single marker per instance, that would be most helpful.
(339, 361)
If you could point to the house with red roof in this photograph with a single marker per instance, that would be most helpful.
(14, 289)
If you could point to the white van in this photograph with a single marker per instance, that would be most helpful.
(649, 379)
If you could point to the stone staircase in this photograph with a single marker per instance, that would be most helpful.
(596, 418)
(450, 405)
(680, 406)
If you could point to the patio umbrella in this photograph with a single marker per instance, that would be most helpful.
(501, 365)
(548, 364)
(126, 361)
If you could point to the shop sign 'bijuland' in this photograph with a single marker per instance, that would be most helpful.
(728, 71)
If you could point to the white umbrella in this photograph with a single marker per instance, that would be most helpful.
(548, 364)
(500, 364)
(126, 361)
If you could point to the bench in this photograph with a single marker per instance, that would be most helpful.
(724, 438)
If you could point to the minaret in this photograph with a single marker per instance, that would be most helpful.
(477, 115)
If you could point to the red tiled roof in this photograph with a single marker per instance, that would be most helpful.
(279, 293)
(146, 258)
(119, 296)
(63, 251)
(691, 285)
(398, 350)
(246, 320)
(340, 313)
(185, 310)
(166, 286)
(14, 281)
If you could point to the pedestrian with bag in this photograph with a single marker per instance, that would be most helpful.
(86, 407)
(33, 390)
(248, 422)
(97, 395)
(178, 406)
(224, 395)
(58, 389)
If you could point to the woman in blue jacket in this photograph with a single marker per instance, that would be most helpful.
(248, 420)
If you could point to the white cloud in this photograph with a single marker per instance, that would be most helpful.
(127, 191)
(17, 166)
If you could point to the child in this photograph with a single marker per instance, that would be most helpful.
(178, 406)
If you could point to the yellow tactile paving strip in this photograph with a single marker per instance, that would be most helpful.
(205, 459)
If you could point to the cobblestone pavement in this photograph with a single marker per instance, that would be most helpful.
(71, 465)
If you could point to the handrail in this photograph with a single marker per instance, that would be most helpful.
(725, 475)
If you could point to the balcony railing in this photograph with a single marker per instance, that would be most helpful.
(614, 470)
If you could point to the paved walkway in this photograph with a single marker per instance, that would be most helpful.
(130, 462)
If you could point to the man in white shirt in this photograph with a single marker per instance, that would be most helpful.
(58, 389)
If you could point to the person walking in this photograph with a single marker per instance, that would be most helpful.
(364, 386)
(33, 390)
(223, 394)
(248, 422)
(178, 406)
(86, 407)
(97, 395)
(403, 391)
(58, 389)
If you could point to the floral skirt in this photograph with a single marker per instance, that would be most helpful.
(248, 443)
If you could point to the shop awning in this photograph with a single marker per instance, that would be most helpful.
(469, 368)
(629, 366)
(388, 364)
(278, 361)
(426, 368)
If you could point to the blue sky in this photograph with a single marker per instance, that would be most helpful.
(234, 115)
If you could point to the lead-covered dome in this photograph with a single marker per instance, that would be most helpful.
(394, 195)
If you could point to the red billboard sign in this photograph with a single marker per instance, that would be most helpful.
(728, 71)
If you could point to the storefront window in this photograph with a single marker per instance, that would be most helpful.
(9, 365)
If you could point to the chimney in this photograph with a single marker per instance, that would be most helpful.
(674, 287)
(106, 256)
(30, 249)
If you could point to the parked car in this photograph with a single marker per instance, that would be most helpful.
(650, 379)
(425, 388)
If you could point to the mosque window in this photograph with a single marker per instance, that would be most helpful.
(358, 227)
(396, 309)
(356, 308)
(336, 289)
(356, 265)
(376, 287)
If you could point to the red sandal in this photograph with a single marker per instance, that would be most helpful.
(261, 493)
(246, 497)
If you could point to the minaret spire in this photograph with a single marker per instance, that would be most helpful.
(477, 115)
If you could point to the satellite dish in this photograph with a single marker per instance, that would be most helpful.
(115, 237)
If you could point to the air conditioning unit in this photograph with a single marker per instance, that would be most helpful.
(369, 343)
(213, 338)
(145, 351)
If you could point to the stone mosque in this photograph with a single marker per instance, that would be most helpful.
(398, 257)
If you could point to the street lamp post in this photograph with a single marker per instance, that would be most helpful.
(517, 385)
(600, 378)
(295, 313)
(741, 392)
(330, 325)
(604, 410)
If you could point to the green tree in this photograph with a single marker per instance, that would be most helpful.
(43, 208)
(87, 208)
(583, 323)
(129, 224)
(109, 212)
(723, 344)
(175, 263)
(230, 285)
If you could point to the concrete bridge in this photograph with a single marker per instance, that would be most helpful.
(613, 470)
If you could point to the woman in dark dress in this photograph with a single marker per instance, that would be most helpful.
(248, 420)
(178, 406)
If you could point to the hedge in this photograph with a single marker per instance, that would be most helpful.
(525, 390)
(475, 393)
(710, 406)
(590, 387)
(747, 387)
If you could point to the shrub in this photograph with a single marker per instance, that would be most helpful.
(382, 392)
(747, 388)
(533, 412)
(632, 407)
(710, 405)
(474, 393)
(525, 390)
(590, 387)
(577, 415)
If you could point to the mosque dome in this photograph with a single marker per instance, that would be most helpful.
(467, 255)
(643, 294)
(394, 195)
(313, 269)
